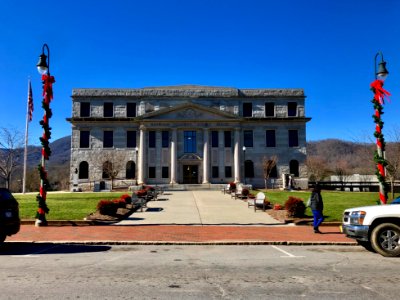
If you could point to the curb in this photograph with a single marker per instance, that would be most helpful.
(71, 222)
(215, 243)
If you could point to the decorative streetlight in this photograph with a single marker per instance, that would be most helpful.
(378, 101)
(244, 163)
(43, 67)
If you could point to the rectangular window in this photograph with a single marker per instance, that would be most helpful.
(227, 139)
(270, 109)
(85, 109)
(214, 139)
(152, 172)
(131, 110)
(270, 140)
(84, 138)
(248, 138)
(108, 139)
(108, 111)
(215, 172)
(131, 139)
(292, 109)
(165, 139)
(152, 139)
(293, 138)
(190, 142)
(247, 109)
(165, 172)
(228, 172)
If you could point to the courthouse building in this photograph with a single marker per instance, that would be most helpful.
(187, 135)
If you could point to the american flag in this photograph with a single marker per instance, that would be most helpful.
(30, 102)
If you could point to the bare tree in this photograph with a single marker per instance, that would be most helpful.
(10, 152)
(269, 164)
(317, 168)
(111, 164)
(342, 171)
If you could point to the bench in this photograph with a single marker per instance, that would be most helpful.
(258, 202)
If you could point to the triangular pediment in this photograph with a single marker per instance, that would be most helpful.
(189, 112)
(189, 157)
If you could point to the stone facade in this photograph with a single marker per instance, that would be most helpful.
(187, 134)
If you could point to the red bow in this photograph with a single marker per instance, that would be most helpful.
(379, 91)
(48, 87)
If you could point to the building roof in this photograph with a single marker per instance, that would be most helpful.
(191, 91)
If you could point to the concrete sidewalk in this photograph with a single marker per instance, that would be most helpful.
(198, 208)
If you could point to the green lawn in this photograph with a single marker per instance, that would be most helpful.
(63, 206)
(76, 206)
(334, 202)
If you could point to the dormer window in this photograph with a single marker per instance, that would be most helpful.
(292, 109)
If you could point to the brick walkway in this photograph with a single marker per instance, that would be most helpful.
(165, 234)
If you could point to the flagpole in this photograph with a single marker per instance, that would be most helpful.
(26, 136)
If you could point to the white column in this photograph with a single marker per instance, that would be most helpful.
(173, 156)
(141, 156)
(236, 155)
(205, 156)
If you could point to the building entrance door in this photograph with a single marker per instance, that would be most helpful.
(190, 174)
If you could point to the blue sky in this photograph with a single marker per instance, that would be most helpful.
(325, 47)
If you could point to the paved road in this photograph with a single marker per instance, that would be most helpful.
(50, 271)
(199, 207)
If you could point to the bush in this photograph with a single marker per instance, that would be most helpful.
(232, 186)
(121, 203)
(107, 207)
(141, 193)
(127, 198)
(245, 192)
(277, 206)
(295, 207)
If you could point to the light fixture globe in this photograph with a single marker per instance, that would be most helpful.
(382, 72)
(42, 66)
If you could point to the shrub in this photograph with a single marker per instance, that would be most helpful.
(277, 206)
(232, 186)
(121, 203)
(149, 188)
(107, 207)
(245, 192)
(295, 207)
(127, 198)
(141, 193)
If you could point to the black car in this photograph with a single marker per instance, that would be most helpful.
(9, 214)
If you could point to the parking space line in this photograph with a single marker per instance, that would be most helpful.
(290, 255)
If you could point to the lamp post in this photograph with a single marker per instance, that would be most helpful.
(244, 163)
(43, 67)
(378, 101)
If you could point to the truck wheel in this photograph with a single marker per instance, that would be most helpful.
(385, 239)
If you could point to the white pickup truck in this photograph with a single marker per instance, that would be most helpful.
(376, 226)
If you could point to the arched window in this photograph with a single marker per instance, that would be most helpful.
(107, 169)
(274, 172)
(248, 169)
(83, 170)
(130, 170)
(294, 167)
